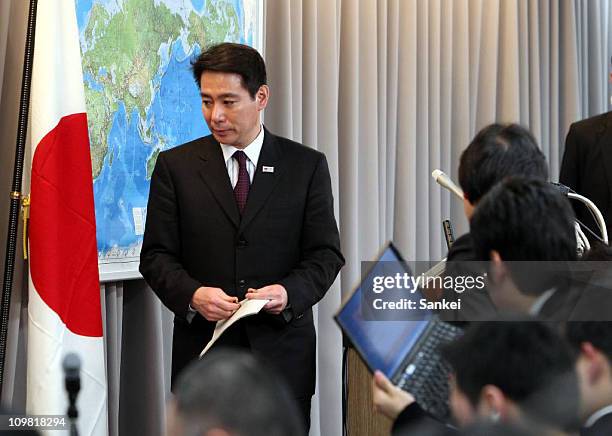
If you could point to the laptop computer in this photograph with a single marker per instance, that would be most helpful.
(406, 351)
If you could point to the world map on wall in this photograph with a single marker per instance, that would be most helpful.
(141, 99)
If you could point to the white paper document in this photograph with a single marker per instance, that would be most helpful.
(247, 308)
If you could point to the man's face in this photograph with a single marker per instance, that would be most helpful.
(230, 113)
(502, 289)
(585, 384)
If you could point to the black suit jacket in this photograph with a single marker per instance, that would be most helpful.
(587, 166)
(601, 427)
(195, 236)
(476, 305)
(413, 420)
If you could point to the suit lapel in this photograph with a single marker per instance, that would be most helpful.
(605, 144)
(214, 173)
(263, 182)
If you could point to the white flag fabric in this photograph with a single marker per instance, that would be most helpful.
(64, 311)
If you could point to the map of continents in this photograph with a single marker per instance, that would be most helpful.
(141, 99)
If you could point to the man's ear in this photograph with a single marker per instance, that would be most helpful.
(262, 96)
(597, 364)
(497, 269)
(494, 404)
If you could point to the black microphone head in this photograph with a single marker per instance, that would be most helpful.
(72, 363)
(72, 382)
(72, 377)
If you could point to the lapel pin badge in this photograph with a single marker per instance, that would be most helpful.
(266, 169)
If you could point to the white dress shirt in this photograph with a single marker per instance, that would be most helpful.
(252, 151)
(539, 303)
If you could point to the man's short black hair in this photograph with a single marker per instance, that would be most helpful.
(524, 220)
(232, 390)
(496, 152)
(598, 333)
(527, 360)
(531, 225)
(229, 57)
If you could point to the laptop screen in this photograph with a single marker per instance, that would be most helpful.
(382, 344)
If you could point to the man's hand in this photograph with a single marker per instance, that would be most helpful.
(214, 304)
(275, 293)
(388, 398)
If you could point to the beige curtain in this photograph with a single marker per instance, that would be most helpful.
(302, 57)
(392, 89)
(594, 42)
(388, 90)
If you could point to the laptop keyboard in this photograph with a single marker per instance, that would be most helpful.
(426, 375)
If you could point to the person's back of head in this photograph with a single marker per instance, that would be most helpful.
(529, 225)
(501, 365)
(499, 151)
(231, 392)
(523, 220)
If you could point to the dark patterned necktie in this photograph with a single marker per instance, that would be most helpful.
(241, 190)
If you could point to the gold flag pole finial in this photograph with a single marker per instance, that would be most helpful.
(25, 214)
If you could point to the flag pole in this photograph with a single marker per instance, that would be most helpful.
(15, 195)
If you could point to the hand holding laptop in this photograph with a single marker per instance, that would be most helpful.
(389, 399)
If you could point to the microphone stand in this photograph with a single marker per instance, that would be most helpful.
(596, 212)
(72, 366)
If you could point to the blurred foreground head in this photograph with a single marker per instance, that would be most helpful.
(231, 393)
(513, 372)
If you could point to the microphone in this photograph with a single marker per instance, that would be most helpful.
(443, 180)
(72, 377)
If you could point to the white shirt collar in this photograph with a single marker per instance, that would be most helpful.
(537, 305)
(597, 415)
(252, 150)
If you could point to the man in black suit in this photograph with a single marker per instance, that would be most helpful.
(587, 166)
(240, 214)
(593, 342)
